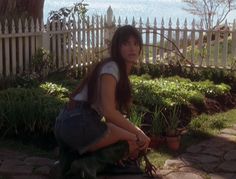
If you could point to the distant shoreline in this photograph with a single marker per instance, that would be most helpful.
(141, 8)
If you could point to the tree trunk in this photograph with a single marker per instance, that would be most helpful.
(15, 9)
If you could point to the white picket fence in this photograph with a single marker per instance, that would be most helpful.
(82, 42)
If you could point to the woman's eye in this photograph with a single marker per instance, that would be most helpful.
(125, 43)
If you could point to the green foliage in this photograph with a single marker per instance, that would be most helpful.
(27, 111)
(54, 89)
(158, 121)
(78, 10)
(172, 120)
(136, 115)
(173, 90)
(215, 75)
(205, 123)
(42, 62)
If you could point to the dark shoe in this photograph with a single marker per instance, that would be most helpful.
(55, 171)
(127, 167)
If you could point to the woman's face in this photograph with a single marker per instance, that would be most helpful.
(130, 50)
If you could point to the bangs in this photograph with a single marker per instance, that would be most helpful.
(128, 32)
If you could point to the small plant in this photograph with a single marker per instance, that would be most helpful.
(54, 89)
(172, 121)
(136, 115)
(158, 121)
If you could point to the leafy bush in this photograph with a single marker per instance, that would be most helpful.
(215, 75)
(28, 111)
(173, 90)
(54, 89)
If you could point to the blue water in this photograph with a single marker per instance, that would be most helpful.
(133, 8)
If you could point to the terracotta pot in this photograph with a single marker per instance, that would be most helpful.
(173, 142)
(156, 141)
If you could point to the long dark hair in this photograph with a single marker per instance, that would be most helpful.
(123, 88)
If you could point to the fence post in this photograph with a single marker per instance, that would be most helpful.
(109, 27)
(234, 39)
(45, 42)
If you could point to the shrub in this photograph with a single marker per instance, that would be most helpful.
(28, 112)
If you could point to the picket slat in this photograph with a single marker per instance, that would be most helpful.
(185, 38)
(177, 38)
(216, 47)
(20, 48)
(88, 42)
(201, 47)
(1, 54)
(154, 49)
(193, 42)
(59, 48)
(208, 54)
(13, 50)
(234, 39)
(7, 50)
(162, 40)
(169, 44)
(32, 40)
(147, 41)
(225, 47)
(74, 43)
(65, 61)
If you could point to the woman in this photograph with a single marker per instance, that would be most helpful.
(105, 93)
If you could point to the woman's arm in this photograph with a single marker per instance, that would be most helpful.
(108, 105)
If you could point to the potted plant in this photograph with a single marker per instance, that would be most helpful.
(157, 127)
(172, 133)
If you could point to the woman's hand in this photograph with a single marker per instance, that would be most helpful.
(142, 140)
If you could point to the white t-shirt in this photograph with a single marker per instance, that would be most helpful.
(108, 68)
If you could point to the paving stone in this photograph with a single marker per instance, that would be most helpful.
(228, 166)
(228, 137)
(193, 170)
(182, 175)
(17, 170)
(221, 175)
(39, 161)
(213, 151)
(7, 154)
(229, 146)
(164, 172)
(229, 131)
(124, 177)
(194, 149)
(29, 177)
(202, 158)
(18, 166)
(44, 170)
(231, 155)
(214, 142)
(173, 164)
(209, 167)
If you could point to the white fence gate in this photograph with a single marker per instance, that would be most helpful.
(80, 42)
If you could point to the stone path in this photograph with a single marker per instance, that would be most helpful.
(211, 159)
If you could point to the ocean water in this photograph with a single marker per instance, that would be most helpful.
(158, 9)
